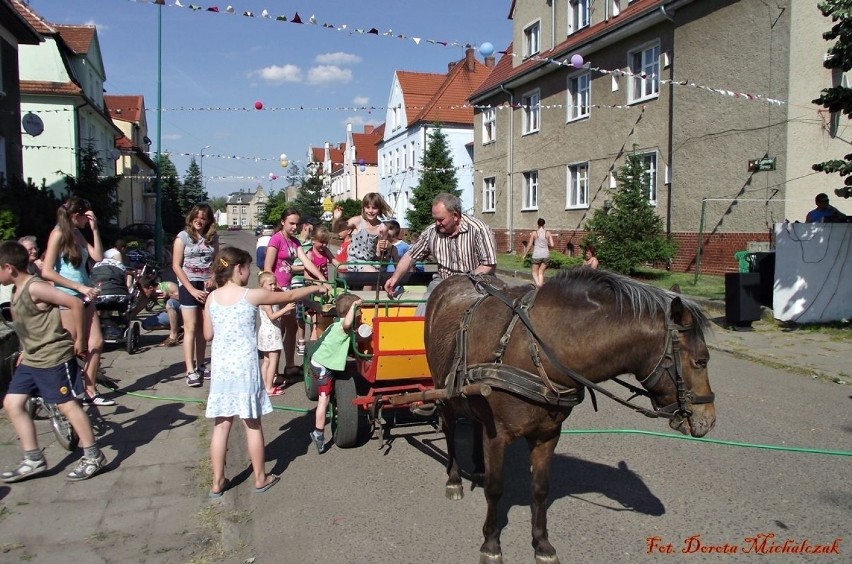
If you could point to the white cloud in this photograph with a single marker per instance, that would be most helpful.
(360, 100)
(276, 75)
(172, 136)
(100, 27)
(329, 74)
(360, 121)
(339, 58)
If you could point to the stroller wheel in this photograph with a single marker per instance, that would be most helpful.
(131, 337)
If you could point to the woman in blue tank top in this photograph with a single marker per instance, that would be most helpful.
(66, 265)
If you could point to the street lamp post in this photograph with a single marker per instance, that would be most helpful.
(201, 167)
(158, 209)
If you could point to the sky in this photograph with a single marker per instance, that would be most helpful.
(231, 61)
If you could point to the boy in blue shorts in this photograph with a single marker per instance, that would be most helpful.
(47, 365)
(330, 356)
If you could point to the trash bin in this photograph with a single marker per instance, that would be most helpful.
(763, 263)
(742, 261)
(741, 304)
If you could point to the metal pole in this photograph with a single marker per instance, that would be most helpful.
(698, 247)
(201, 167)
(158, 213)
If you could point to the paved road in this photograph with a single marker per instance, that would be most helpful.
(384, 502)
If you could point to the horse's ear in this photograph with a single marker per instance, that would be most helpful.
(679, 314)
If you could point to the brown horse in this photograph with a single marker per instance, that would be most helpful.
(538, 351)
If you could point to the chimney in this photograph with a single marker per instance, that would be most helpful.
(469, 59)
(489, 61)
(368, 129)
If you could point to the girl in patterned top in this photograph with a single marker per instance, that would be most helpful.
(192, 262)
(367, 229)
(236, 387)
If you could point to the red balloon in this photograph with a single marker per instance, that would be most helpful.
(258, 105)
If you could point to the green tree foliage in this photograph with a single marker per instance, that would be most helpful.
(26, 210)
(438, 174)
(218, 203)
(629, 233)
(351, 207)
(838, 98)
(192, 190)
(173, 217)
(294, 174)
(98, 184)
(309, 199)
(275, 206)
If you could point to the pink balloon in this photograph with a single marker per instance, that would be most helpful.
(258, 105)
(576, 60)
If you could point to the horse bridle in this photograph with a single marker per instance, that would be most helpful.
(677, 410)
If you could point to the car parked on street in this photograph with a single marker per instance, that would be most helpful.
(235, 228)
(138, 231)
(267, 231)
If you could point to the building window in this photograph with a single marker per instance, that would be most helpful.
(234, 209)
(244, 222)
(489, 194)
(413, 156)
(261, 209)
(578, 186)
(578, 15)
(649, 163)
(531, 190)
(645, 69)
(489, 126)
(532, 39)
(579, 96)
(397, 168)
(531, 111)
(244, 209)
(616, 7)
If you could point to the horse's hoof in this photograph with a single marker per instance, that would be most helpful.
(546, 559)
(485, 558)
(454, 491)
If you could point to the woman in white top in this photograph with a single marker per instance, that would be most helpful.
(540, 242)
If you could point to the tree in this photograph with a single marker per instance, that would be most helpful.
(25, 209)
(438, 174)
(294, 174)
(173, 217)
(275, 206)
(838, 98)
(351, 207)
(629, 232)
(218, 203)
(309, 198)
(192, 190)
(97, 184)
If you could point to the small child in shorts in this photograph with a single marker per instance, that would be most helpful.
(330, 356)
(47, 365)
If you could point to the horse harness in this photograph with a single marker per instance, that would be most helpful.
(539, 388)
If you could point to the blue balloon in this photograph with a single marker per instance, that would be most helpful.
(486, 49)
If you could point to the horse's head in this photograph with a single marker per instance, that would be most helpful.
(679, 384)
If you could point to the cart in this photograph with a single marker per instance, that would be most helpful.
(387, 358)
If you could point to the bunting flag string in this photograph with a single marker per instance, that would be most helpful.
(312, 20)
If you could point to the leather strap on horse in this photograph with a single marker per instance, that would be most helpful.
(523, 383)
(484, 286)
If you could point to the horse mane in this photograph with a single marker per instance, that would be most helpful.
(629, 294)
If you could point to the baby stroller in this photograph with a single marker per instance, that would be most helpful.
(115, 303)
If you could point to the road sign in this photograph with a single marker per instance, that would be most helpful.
(327, 204)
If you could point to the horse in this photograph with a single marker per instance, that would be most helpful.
(516, 361)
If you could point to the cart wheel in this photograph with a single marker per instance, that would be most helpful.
(33, 408)
(349, 423)
(131, 338)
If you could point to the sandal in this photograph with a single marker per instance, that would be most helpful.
(276, 391)
(168, 342)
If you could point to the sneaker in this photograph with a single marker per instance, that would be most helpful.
(97, 399)
(193, 379)
(205, 372)
(319, 440)
(300, 348)
(26, 469)
(87, 467)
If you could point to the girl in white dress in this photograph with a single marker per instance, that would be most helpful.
(269, 342)
(235, 386)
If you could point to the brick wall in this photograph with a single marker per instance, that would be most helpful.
(717, 258)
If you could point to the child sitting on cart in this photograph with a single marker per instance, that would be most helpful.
(330, 356)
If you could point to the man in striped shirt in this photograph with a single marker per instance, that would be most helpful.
(457, 242)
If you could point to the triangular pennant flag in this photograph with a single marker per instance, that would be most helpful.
(213, 9)
(312, 19)
(281, 18)
(194, 7)
(230, 9)
(416, 40)
(374, 31)
(178, 4)
(248, 14)
(264, 14)
(296, 19)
